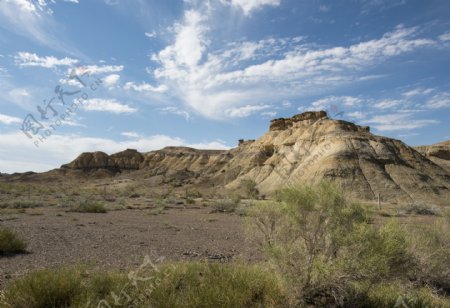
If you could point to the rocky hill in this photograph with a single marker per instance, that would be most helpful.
(439, 153)
(307, 148)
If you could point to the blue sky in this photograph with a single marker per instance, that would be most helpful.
(207, 73)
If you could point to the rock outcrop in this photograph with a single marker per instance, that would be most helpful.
(306, 148)
(129, 159)
(439, 153)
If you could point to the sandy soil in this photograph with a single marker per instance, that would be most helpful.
(120, 239)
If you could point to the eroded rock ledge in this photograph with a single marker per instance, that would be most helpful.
(285, 123)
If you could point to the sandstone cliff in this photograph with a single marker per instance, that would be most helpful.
(306, 148)
(439, 153)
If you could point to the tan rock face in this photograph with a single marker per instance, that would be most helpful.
(439, 153)
(303, 149)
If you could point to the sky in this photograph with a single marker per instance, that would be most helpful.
(107, 75)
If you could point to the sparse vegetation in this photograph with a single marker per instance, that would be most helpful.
(329, 255)
(421, 209)
(19, 205)
(90, 207)
(225, 206)
(171, 285)
(250, 189)
(160, 206)
(10, 242)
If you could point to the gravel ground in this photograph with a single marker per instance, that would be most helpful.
(119, 240)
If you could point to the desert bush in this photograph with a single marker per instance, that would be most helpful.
(19, 205)
(10, 242)
(171, 285)
(322, 244)
(421, 209)
(216, 285)
(430, 245)
(89, 207)
(397, 294)
(250, 189)
(224, 206)
(160, 206)
(45, 289)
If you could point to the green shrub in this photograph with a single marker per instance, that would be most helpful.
(215, 285)
(90, 207)
(172, 285)
(421, 209)
(322, 244)
(397, 294)
(19, 205)
(10, 242)
(250, 189)
(45, 289)
(430, 245)
(224, 206)
(160, 206)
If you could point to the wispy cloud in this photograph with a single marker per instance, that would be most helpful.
(326, 102)
(244, 111)
(32, 59)
(440, 100)
(445, 37)
(215, 83)
(107, 105)
(34, 20)
(398, 122)
(8, 120)
(175, 110)
(130, 134)
(248, 6)
(145, 87)
(111, 80)
(96, 69)
(151, 34)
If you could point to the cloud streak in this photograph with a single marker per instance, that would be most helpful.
(213, 83)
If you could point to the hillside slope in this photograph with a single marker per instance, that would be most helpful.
(307, 148)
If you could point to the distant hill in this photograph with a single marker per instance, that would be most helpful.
(307, 148)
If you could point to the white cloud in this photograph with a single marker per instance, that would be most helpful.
(247, 6)
(399, 121)
(176, 111)
(286, 104)
(150, 34)
(145, 87)
(34, 20)
(269, 114)
(418, 91)
(3, 71)
(244, 111)
(32, 59)
(440, 100)
(111, 80)
(329, 101)
(216, 82)
(20, 97)
(130, 134)
(61, 149)
(372, 77)
(8, 120)
(96, 69)
(107, 105)
(445, 37)
(357, 115)
(388, 103)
